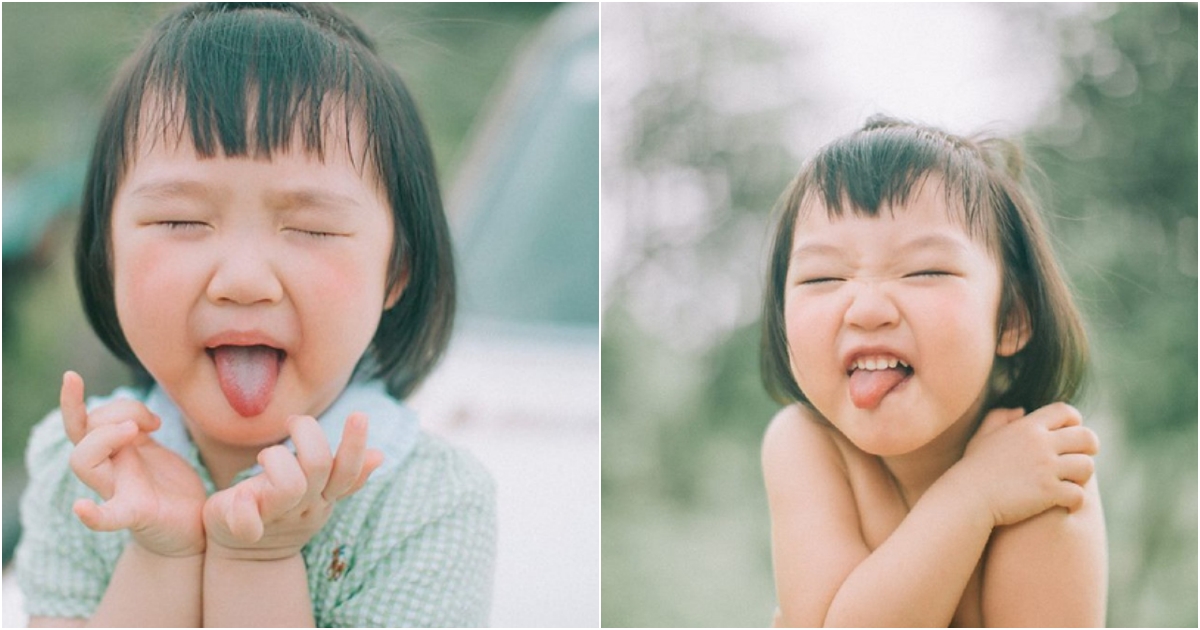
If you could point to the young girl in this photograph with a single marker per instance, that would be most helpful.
(263, 242)
(926, 471)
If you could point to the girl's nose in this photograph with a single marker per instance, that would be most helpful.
(871, 308)
(244, 275)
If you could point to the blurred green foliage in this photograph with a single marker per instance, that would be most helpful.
(685, 522)
(1120, 165)
(58, 61)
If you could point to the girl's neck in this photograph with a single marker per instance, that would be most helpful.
(224, 462)
(915, 472)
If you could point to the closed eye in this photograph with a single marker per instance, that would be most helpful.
(183, 225)
(929, 273)
(818, 281)
(317, 234)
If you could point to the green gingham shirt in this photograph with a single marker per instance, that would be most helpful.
(414, 547)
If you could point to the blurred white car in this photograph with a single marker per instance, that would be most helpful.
(520, 384)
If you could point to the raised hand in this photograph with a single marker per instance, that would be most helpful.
(274, 514)
(146, 488)
(1022, 465)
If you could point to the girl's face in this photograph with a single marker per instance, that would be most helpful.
(249, 288)
(891, 320)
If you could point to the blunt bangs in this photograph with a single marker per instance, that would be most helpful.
(886, 162)
(253, 79)
(248, 83)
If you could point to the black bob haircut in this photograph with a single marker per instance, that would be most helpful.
(877, 168)
(248, 79)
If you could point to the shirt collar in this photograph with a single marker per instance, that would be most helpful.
(393, 427)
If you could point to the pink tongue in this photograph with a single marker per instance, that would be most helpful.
(868, 387)
(247, 376)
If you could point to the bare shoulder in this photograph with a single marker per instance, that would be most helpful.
(815, 531)
(1049, 570)
(796, 435)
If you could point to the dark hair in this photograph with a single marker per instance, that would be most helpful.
(880, 165)
(245, 79)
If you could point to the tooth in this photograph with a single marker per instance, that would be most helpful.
(892, 363)
(872, 364)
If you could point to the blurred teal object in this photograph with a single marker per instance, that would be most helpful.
(527, 202)
(33, 202)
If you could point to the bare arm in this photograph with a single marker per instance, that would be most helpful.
(146, 590)
(1016, 467)
(149, 590)
(826, 575)
(256, 593)
(1050, 570)
(917, 576)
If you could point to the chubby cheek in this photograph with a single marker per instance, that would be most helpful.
(810, 336)
(964, 334)
(343, 300)
(153, 286)
(963, 340)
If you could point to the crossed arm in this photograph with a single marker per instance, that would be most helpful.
(1045, 564)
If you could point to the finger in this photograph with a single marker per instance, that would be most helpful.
(373, 460)
(351, 455)
(1070, 495)
(74, 409)
(121, 410)
(1058, 415)
(312, 453)
(243, 517)
(1076, 468)
(91, 460)
(285, 483)
(1076, 439)
(109, 517)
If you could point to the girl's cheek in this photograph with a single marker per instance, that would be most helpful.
(144, 269)
(345, 275)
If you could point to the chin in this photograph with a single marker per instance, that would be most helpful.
(885, 445)
(889, 433)
(228, 427)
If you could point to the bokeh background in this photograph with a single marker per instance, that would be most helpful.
(708, 110)
(509, 93)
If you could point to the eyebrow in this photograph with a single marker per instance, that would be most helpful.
(924, 242)
(287, 199)
(316, 198)
(165, 189)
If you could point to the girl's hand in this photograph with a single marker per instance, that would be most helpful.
(1023, 465)
(146, 488)
(272, 515)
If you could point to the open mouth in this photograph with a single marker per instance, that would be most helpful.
(872, 378)
(247, 375)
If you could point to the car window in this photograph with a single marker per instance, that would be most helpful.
(528, 250)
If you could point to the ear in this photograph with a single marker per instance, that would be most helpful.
(1016, 333)
(397, 290)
